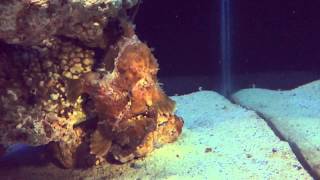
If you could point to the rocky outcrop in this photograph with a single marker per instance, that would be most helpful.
(35, 22)
(74, 75)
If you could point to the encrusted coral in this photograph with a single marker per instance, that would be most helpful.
(31, 22)
(37, 106)
(88, 104)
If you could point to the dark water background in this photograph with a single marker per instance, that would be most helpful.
(275, 44)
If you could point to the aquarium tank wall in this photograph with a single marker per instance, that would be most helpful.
(149, 89)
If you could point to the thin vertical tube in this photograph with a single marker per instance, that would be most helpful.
(225, 43)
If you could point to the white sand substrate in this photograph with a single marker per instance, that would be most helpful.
(294, 113)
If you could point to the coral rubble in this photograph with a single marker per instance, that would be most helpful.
(89, 95)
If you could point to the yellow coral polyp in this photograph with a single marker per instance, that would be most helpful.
(77, 117)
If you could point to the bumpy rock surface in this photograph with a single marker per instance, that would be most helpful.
(34, 22)
(34, 105)
(74, 76)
